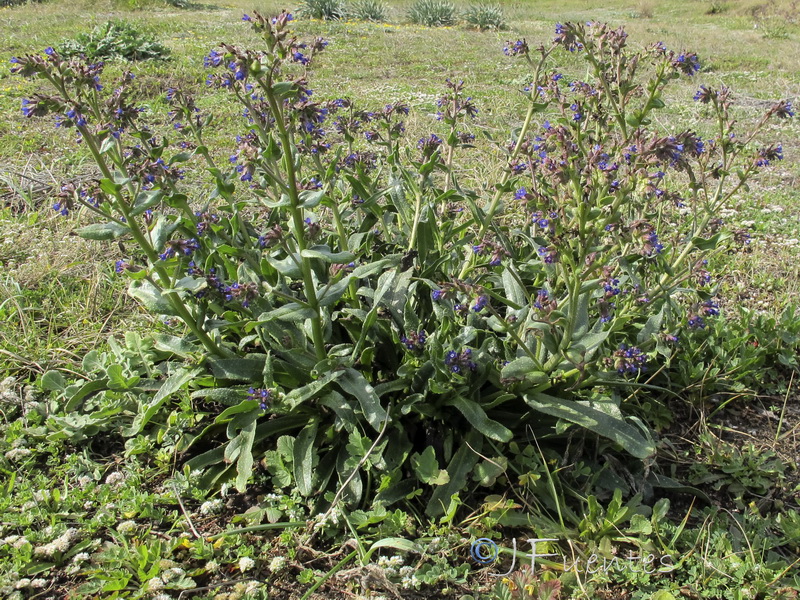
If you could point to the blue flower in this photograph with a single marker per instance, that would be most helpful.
(457, 362)
(541, 297)
(262, 395)
(696, 322)
(630, 360)
(480, 303)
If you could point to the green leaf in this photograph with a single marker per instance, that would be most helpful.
(151, 298)
(117, 379)
(83, 391)
(310, 199)
(226, 396)
(109, 187)
(427, 468)
(174, 383)
(297, 396)
(303, 459)
(601, 423)
(523, 368)
(238, 369)
(145, 200)
(461, 465)
(53, 381)
(325, 253)
(712, 242)
(244, 466)
(478, 419)
(178, 346)
(652, 326)
(352, 382)
(103, 231)
(162, 231)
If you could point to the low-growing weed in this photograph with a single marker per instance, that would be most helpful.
(433, 13)
(368, 10)
(324, 9)
(115, 39)
(485, 16)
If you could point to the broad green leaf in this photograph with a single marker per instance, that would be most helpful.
(151, 298)
(145, 200)
(523, 368)
(427, 468)
(652, 326)
(461, 465)
(478, 419)
(244, 466)
(227, 396)
(103, 231)
(325, 253)
(161, 232)
(178, 346)
(238, 369)
(82, 392)
(297, 396)
(53, 381)
(303, 459)
(601, 423)
(352, 382)
(174, 383)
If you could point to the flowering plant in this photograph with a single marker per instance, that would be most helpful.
(356, 313)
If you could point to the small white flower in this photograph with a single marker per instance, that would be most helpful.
(80, 557)
(246, 563)
(155, 584)
(277, 564)
(211, 507)
(251, 587)
(212, 566)
(116, 479)
(18, 453)
(38, 583)
(84, 480)
(172, 573)
(23, 583)
(88, 504)
(225, 489)
(19, 543)
(162, 597)
(127, 527)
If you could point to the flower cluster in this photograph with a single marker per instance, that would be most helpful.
(457, 362)
(241, 292)
(495, 251)
(453, 105)
(516, 48)
(629, 360)
(264, 396)
(414, 340)
(179, 247)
